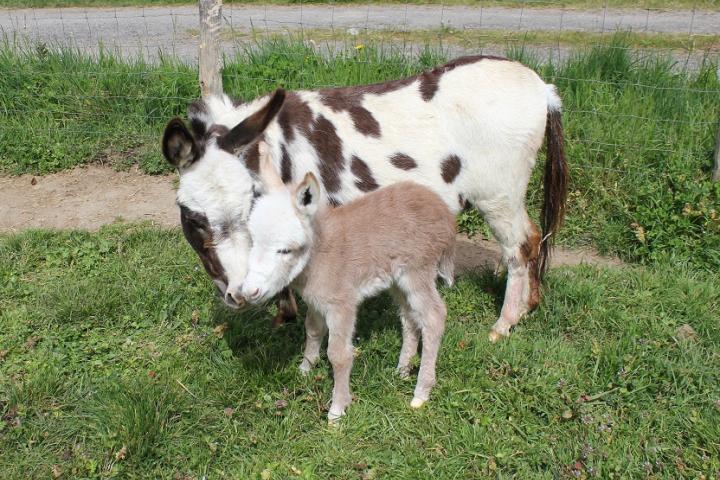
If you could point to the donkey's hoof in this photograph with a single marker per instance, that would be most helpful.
(417, 402)
(403, 372)
(495, 335)
(305, 367)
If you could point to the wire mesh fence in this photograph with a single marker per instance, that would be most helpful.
(688, 40)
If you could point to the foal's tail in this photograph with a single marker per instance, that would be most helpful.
(446, 265)
(555, 178)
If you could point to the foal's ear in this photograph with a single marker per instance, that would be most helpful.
(249, 129)
(268, 172)
(178, 145)
(307, 195)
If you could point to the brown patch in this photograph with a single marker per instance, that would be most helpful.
(199, 235)
(450, 168)
(195, 110)
(285, 165)
(252, 155)
(325, 140)
(295, 115)
(403, 161)
(464, 204)
(351, 101)
(365, 181)
(529, 251)
(429, 84)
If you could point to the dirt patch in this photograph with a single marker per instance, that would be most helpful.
(90, 197)
(86, 198)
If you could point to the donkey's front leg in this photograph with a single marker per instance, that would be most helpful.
(287, 308)
(340, 354)
(315, 330)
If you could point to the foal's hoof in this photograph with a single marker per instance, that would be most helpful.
(417, 402)
(403, 372)
(334, 418)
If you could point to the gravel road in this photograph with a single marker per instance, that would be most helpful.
(147, 30)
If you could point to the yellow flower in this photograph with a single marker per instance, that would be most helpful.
(359, 46)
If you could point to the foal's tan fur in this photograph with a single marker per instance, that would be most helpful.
(399, 237)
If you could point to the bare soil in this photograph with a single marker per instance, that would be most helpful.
(92, 196)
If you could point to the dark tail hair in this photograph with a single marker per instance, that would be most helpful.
(554, 185)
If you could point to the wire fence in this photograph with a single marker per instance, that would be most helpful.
(690, 38)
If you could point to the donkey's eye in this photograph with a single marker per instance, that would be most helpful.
(284, 251)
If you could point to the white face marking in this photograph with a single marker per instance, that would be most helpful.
(282, 241)
(220, 187)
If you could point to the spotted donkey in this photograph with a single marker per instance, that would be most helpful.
(470, 130)
(399, 237)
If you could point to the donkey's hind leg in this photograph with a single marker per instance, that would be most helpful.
(520, 242)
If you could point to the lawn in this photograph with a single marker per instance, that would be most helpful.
(116, 361)
(640, 131)
(585, 4)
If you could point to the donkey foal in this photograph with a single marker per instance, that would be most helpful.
(398, 237)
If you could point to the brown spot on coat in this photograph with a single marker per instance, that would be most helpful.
(365, 181)
(351, 101)
(294, 115)
(327, 144)
(450, 168)
(252, 155)
(285, 165)
(403, 161)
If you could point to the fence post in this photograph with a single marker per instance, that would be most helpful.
(209, 53)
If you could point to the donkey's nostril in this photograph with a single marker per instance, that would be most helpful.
(255, 293)
(229, 298)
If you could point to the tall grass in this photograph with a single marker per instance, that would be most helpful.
(640, 130)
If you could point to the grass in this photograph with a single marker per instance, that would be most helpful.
(587, 4)
(640, 130)
(116, 361)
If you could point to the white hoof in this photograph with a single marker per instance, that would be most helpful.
(305, 368)
(417, 402)
(497, 335)
(334, 418)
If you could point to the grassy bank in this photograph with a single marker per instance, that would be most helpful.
(116, 361)
(640, 132)
(587, 4)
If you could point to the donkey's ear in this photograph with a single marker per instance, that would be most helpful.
(307, 195)
(178, 144)
(249, 129)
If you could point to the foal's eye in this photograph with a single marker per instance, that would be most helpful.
(284, 251)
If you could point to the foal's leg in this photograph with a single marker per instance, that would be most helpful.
(315, 330)
(410, 333)
(520, 242)
(341, 325)
(429, 311)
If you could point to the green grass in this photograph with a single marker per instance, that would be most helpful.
(640, 131)
(116, 361)
(664, 4)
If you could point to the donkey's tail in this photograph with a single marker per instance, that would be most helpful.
(446, 265)
(555, 178)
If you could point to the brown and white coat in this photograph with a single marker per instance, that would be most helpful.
(469, 130)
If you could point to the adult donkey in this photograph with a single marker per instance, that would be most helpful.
(470, 130)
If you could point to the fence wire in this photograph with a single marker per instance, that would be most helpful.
(689, 38)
